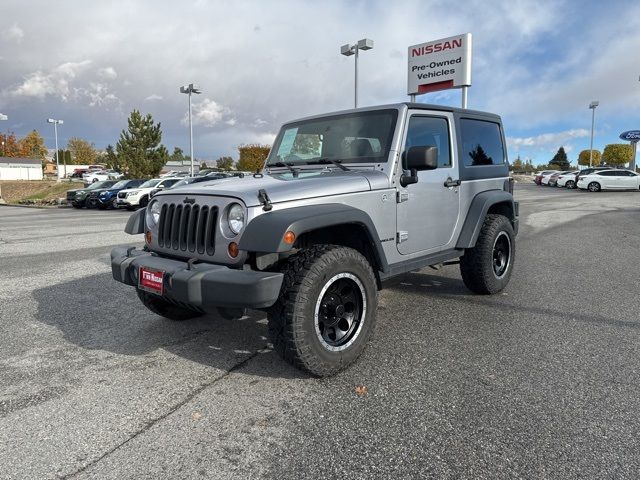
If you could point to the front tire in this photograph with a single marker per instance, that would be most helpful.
(326, 311)
(162, 307)
(486, 268)
(594, 187)
(144, 201)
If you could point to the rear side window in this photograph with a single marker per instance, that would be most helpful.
(430, 131)
(481, 143)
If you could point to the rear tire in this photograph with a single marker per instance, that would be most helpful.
(486, 268)
(326, 311)
(594, 187)
(162, 307)
(569, 184)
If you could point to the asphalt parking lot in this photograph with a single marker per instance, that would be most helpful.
(541, 381)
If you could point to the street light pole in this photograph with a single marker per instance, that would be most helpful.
(55, 131)
(347, 50)
(592, 106)
(3, 117)
(189, 89)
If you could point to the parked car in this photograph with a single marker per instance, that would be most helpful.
(78, 197)
(108, 197)
(181, 183)
(612, 179)
(567, 179)
(545, 178)
(538, 178)
(92, 177)
(588, 171)
(553, 179)
(139, 197)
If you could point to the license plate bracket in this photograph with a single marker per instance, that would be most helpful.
(151, 280)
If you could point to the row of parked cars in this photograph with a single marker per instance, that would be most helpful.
(134, 193)
(593, 179)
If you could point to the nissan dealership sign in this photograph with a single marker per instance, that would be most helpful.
(439, 65)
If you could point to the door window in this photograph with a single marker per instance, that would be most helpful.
(481, 143)
(430, 131)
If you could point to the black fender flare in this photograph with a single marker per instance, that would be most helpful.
(135, 224)
(265, 233)
(478, 209)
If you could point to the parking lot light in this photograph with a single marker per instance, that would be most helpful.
(592, 106)
(348, 50)
(55, 130)
(189, 89)
(3, 117)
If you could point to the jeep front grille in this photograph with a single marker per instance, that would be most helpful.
(188, 228)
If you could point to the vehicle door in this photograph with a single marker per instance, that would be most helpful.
(606, 179)
(628, 180)
(428, 210)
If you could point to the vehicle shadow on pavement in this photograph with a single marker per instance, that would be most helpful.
(426, 283)
(96, 313)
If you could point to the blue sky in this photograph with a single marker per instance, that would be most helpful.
(536, 63)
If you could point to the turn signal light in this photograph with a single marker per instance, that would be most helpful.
(147, 237)
(289, 238)
(233, 249)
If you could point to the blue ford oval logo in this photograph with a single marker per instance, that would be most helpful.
(631, 136)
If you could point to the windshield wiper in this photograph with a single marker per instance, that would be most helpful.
(288, 165)
(325, 161)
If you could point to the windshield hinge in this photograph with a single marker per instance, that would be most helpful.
(403, 236)
(402, 197)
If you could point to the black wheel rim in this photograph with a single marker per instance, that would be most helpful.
(340, 312)
(501, 256)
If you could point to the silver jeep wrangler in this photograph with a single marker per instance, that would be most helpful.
(345, 202)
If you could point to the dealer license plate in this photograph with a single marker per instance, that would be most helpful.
(151, 280)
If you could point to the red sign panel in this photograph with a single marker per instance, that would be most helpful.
(151, 280)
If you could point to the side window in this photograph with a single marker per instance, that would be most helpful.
(481, 143)
(607, 173)
(430, 131)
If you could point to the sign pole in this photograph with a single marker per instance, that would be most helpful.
(464, 97)
(632, 166)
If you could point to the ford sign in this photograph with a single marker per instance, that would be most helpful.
(631, 136)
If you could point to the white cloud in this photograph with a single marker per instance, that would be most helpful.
(14, 33)
(153, 97)
(108, 73)
(548, 140)
(209, 113)
(97, 95)
(56, 82)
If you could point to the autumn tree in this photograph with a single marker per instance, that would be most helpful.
(517, 164)
(252, 157)
(82, 152)
(560, 159)
(32, 146)
(224, 163)
(583, 158)
(617, 154)
(139, 149)
(10, 145)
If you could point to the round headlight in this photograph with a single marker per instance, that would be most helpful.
(153, 214)
(235, 218)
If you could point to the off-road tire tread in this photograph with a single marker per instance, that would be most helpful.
(285, 330)
(477, 275)
(166, 309)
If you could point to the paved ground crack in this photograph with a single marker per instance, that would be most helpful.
(158, 419)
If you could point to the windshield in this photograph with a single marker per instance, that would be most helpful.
(362, 137)
(103, 184)
(151, 183)
(121, 184)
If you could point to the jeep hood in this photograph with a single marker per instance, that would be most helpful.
(284, 187)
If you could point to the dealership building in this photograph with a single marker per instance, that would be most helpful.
(20, 168)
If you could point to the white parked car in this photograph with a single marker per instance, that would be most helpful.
(101, 175)
(567, 179)
(545, 178)
(615, 179)
(139, 197)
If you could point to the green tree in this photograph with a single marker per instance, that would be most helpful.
(617, 154)
(110, 159)
(252, 157)
(517, 165)
(583, 158)
(139, 149)
(178, 155)
(560, 159)
(82, 152)
(203, 165)
(225, 163)
(32, 146)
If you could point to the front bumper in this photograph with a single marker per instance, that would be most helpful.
(203, 285)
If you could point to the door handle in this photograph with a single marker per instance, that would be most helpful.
(451, 183)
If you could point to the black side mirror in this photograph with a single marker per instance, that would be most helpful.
(422, 158)
(418, 158)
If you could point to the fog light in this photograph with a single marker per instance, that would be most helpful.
(289, 238)
(147, 237)
(233, 249)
